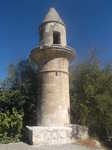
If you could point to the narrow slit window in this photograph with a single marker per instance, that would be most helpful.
(56, 37)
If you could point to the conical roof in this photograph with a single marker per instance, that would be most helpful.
(52, 15)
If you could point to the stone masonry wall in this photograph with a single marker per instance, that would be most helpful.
(46, 34)
(54, 93)
(56, 135)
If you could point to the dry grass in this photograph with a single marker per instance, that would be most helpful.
(91, 143)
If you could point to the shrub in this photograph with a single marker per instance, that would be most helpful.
(10, 126)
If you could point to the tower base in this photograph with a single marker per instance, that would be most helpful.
(39, 135)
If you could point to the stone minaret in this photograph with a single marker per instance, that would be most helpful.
(53, 57)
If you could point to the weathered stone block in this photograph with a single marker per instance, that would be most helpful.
(39, 135)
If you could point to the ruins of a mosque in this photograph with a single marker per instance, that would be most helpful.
(53, 57)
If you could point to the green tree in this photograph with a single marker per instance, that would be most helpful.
(18, 98)
(91, 97)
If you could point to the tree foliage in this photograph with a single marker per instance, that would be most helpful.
(91, 97)
(11, 116)
(18, 97)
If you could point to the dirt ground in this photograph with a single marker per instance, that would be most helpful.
(23, 146)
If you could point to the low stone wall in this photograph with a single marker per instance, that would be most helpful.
(56, 135)
(79, 132)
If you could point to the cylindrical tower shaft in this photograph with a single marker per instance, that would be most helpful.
(53, 58)
(54, 92)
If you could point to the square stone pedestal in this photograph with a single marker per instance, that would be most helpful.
(56, 135)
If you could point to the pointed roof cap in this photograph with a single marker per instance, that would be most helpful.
(53, 15)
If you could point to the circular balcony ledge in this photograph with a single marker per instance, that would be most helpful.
(44, 53)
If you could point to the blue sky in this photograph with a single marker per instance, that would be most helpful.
(89, 25)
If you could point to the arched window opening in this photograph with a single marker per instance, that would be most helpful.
(56, 37)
